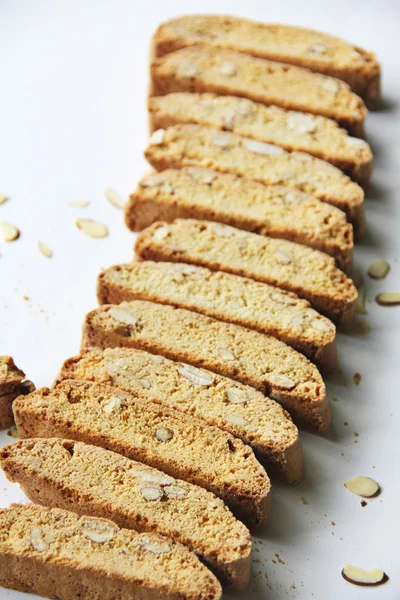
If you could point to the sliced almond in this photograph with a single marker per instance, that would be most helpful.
(297, 320)
(283, 256)
(283, 298)
(227, 67)
(98, 530)
(202, 175)
(3, 198)
(113, 197)
(113, 405)
(360, 576)
(124, 316)
(321, 325)
(356, 142)
(388, 299)
(155, 546)
(157, 137)
(262, 147)
(160, 233)
(37, 541)
(301, 123)
(318, 49)
(236, 420)
(360, 303)
(195, 376)
(92, 228)
(8, 232)
(157, 359)
(188, 70)
(145, 383)
(225, 353)
(281, 380)
(151, 493)
(236, 396)
(363, 486)
(330, 84)
(379, 269)
(150, 477)
(163, 434)
(79, 203)
(45, 250)
(219, 139)
(175, 491)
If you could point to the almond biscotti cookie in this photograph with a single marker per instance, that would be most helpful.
(230, 350)
(239, 409)
(12, 385)
(307, 272)
(317, 51)
(230, 73)
(56, 554)
(178, 444)
(196, 146)
(291, 130)
(89, 480)
(227, 298)
(275, 210)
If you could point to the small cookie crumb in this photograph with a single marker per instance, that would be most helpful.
(357, 378)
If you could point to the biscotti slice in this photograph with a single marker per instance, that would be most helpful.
(275, 210)
(178, 444)
(196, 146)
(57, 554)
(230, 73)
(89, 480)
(309, 273)
(317, 51)
(239, 409)
(230, 350)
(12, 385)
(227, 298)
(291, 130)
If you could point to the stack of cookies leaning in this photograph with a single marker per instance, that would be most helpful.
(150, 456)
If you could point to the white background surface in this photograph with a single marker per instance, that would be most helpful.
(73, 122)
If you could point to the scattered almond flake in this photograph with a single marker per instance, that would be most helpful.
(236, 396)
(79, 203)
(157, 137)
(175, 491)
(124, 316)
(357, 378)
(157, 546)
(235, 420)
(37, 541)
(26, 298)
(112, 405)
(8, 232)
(318, 49)
(151, 493)
(195, 375)
(45, 250)
(13, 433)
(219, 139)
(379, 269)
(360, 303)
(227, 67)
(360, 576)
(262, 147)
(356, 434)
(3, 198)
(98, 530)
(388, 299)
(225, 353)
(363, 486)
(281, 380)
(160, 233)
(92, 228)
(283, 256)
(163, 434)
(301, 122)
(113, 197)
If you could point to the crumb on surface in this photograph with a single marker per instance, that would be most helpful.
(357, 378)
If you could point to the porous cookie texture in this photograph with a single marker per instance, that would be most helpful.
(178, 444)
(199, 146)
(225, 297)
(230, 73)
(291, 130)
(12, 385)
(307, 272)
(230, 350)
(57, 554)
(239, 409)
(317, 51)
(89, 480)
(275, 210)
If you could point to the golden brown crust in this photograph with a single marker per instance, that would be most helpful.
(49, 552)
(320, 52)
(275, 441)
(128, 424)
(89, 480)
(204, 69)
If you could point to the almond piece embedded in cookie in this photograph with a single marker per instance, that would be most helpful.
(360, 576)
(363, 486)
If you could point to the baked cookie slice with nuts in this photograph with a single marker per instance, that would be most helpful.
(89, 480)
(309, 273)
(161, 437)
(274, 210)
(239, 409)
(225, 297)
(230, 350)
(230, 73)
(12, 385)
(200, 146)
(314, 50)
(293, 131)
(57, 554)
